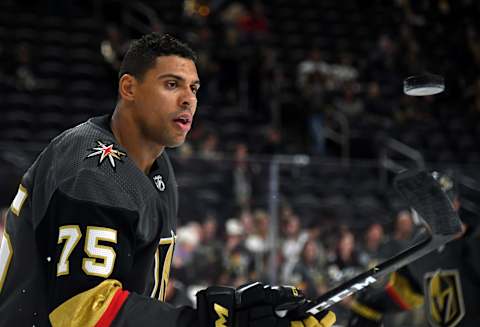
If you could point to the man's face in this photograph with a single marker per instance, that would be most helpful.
(166, 101)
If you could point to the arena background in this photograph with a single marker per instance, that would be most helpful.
(286, 175)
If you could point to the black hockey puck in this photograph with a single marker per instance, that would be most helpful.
(423, 85)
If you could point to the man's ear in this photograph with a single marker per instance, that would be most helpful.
(127, 87)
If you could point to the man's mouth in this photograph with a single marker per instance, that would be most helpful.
(184, 122)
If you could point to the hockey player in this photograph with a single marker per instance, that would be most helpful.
(90, 234)
(446, 282)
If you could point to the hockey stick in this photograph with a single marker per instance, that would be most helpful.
(424, 194)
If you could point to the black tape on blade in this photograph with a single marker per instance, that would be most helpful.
(424, 194)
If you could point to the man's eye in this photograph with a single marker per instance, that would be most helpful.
(171, 84)
(194, 90)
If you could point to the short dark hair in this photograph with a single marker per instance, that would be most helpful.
(143, 52)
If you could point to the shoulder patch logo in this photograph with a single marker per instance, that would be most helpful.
(159, 183)
(106, 151)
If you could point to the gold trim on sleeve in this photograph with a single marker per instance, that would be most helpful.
(85, 309)
(8, 257)
(19, 200)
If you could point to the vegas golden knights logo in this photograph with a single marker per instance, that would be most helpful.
(444, 302)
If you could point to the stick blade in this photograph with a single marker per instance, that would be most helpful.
(425, 195)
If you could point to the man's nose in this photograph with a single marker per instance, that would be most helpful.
(188, 99)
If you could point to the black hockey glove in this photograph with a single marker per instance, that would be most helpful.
(256, 305)
(259, 305)
(216, 307)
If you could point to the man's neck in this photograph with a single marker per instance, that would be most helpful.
(129, 135)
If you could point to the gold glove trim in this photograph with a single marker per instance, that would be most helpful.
(85, 309)
(402, 291)
(327, 321)
(365, 311)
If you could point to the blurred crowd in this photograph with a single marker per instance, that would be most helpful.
(294, 102)
(312, 257)
(253, 77)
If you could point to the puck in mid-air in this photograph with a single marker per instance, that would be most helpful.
(423, 85)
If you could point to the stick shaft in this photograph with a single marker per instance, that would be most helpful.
(370, 276)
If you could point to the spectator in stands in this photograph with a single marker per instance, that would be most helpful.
(344, 71)
(293, 240)
(402, 234)
(257, 239)
(316, 231)
(238, 260)
(248, 224)
(343, 265)
(313, 63)
(383, 64)
(309, 272)
(262, 227)
(207, 256)
(373, 241)
(208, 148)
(315, 102)
(313, 82)
(349, 103)
(286, 211)
(345, 262)
(403, 225)
(188, 239)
